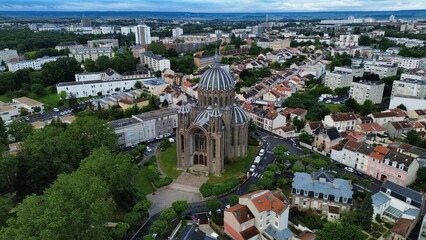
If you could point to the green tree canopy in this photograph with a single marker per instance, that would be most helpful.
(339, 231)
(18, 131)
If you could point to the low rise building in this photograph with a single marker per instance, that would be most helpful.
(321, 191)
(341, 121)
(145, 127)
(265, 119)
(338, 79)
(325, 139)
(386, 116)
(367, 90)
(155, 62)
(356, 155)
(81, 54)
(111, 43)
(203, 61)
(8, 55)
(279, 44)
(397, 128)
(348, 40)
(259, 215)
(35, 64)
(9, 111)
(30, 104)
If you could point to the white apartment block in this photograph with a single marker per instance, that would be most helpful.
(143, 35)
(408, 62)
(155, 62)
(103, 43)
(81, 54)
(176, 32)
(409, 88)
(144, 127)
(8, 55)
(348, 40)
(381, 70)
(367, 90)
(34, 64)
(356, 71)
(338, 79)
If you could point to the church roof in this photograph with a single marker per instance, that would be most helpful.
(238, 115)
(216, 78)
(184, 109)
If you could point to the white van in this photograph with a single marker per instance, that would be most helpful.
(257, 160)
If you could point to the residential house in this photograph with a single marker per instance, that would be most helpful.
(321, 191)
(341, 121)
(326, 138)
(270, 211)
(387, 116)
(397, 129)
(402, 228)
(385, 163)
(394, 202)
(356, 155)
(298, 113)
(265, 119)
(9, 111)
(286, 131)
(416, 114)
(30, 104)
(312, 126)
(373, 131)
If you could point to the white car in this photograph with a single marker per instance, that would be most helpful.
(55, 109)
(261, 152)
(252, 168)
(328, 101)
(148, 149)
(349, 169)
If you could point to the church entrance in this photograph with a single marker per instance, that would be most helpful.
(198, 147)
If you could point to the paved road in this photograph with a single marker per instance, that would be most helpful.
(269, 141)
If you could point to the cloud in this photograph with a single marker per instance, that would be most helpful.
(213, 5)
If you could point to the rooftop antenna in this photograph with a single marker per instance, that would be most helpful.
(216, 58)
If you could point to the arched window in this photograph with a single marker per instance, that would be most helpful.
(210, 101)
(215, 100)
(195, 159)
(221, 101)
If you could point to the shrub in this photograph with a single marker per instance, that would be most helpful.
(252, 141)
(162, 182)
(208, 189)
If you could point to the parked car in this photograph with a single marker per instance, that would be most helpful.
(261, 152)
(56, 109)
(349, 169)
(252, 168)
(148, 149)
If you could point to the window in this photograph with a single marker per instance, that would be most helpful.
(325, 196)
(345, 200)
(276, 224)
(316, 195)
(408, 200)
(261, 226)
(297, 191)
(388, 191)
(268, 213)
(305, 193)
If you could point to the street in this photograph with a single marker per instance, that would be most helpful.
(269, 142)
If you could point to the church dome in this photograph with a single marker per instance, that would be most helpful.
(216, 78)
(184, 109)
(238, 116)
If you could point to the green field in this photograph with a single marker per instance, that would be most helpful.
(142, 182)
(238, 168)
(168, 162)
(49, 100)
(334, 107)
(5, 99)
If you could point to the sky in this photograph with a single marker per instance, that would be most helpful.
(211, 6)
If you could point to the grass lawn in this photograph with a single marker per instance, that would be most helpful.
(5, 99)
(50, 100)
(333, 107)
(236, 169)
(168, 162)
(142, 182)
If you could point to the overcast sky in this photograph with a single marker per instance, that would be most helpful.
(212, 5)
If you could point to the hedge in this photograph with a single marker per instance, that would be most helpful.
(156, 179)
(208, 189)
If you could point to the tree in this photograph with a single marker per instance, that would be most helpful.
(352, 104)
(213, 205)
(341, 91)
(138, 85)
(365, 213)
(78, 209)
(18, 131)
(63, 95)
(317, 112)
(421, 174)
(38, 89)
(158, 73)
(305, 138)
(23, 111)
(364, 40)
(5, 207)
(298, 124)
(3, 135)
(366, 108)
(339, 231)
(160, 227)
(413, 138)
(402, 107)
(252, 126)
(157, 48)
(168, 215)
(89, 65)
(233, 200)
(165, 104)
(180, 206)
(8, 170)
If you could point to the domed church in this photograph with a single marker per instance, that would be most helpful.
(214, 129)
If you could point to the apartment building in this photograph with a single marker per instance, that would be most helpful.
(338, 79)
(321, 191)
(367, 90)
(348, 40)
(409, 88)
(259, 215)
(7, 55)
(408, 62)
(176, 32)
(341, 121)
(81, 54)
(356, 71)
(279, 44)
(381, 70)
(35, 64)
(143, 35)
(144, 127)
(203, 61)
(111, 43)
(155, 62)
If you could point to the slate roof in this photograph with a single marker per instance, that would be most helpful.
(332, 133)
(277, 234)
(338, 187)
(379, 199)
(401, 193)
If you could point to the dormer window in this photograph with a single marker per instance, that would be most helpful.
(305, 193)
(401, 166)
(325, 196)
(393, 164)
(408, 200)
(345, 200)
(316, 195)
(388, 191)
(297, 191)
(336, 198)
